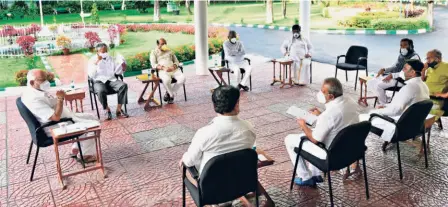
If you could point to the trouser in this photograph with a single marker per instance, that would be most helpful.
(292, 141)
(235, 67)
(379, 88)
(119, 87)
(304, 72)
(167, 77)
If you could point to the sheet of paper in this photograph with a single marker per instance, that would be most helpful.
(302, 114)
(262, 157)
(76, 127)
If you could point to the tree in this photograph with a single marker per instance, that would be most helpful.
(284, 8)
(123, 5)
(156, 10)
(269, 12)
(33, 10)
(95, 14)
(187, 5)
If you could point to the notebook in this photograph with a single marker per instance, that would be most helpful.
(309, 118)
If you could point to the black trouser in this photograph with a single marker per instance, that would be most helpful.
(119, 87)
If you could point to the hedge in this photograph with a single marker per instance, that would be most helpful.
(400, 24)
(383, 21)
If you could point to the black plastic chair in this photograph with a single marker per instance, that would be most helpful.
(225, 62)
(224, 178)
(91, 83)
(410, 125)
(444, 107)
(355, 59)
(394, 89)
(173, 80)
(347, 147)
(38, 135)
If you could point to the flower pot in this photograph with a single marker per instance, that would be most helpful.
(122, 41)
(111, 45)
(66, 51)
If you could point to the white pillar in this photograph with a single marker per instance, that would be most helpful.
(201, 36)
(41, 14)
(305, 17)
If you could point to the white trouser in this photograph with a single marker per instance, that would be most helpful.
(167, 77)
(387, 127)
(292, 141)
(304, 72)
(235, 67)
(379, 88)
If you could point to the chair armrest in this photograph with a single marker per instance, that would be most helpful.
(437, 98)
(193, 171)
(337, 61)
(247, 59)
(181, 68)
(361, 59)
(51, 123)
(319, 144)
(384, 117)
(400, 80)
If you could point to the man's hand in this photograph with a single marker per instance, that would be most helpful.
(315, 111)
(286, 53)
(99, 57)
(302, 123)
(381, 107)
(442, 95)
(60, 94)
(425, 65)
(387, 78)
(123, 66)
(381, 72)
(307, 56)
(169, 69)
(181, 164)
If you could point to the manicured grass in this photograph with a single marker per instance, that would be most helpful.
(137, 42)
(9, 67)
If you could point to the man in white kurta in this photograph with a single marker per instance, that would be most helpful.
(234, 54)
(414, 91)
(380, 83)
(225, 133)
(47, 108)
(298, 49)
(339, 113)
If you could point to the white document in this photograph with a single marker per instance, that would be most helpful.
(262, 157)
(302, 114)
(76, 127)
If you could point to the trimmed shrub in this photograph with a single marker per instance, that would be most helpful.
(325, 12)
(400, 24)
(356, 22)
(21, 77)
(379, 15)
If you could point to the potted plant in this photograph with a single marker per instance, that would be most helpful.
(9, 31)
(122, 31)
(26, 43)
(92, 40)
(65, 43)
(113, 32)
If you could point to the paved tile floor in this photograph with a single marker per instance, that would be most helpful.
(142, 152)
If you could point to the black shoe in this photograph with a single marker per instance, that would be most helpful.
(109, 115)
(245, 88)
(384, 146)
(122, 114)
(171, 101)
(167, 97)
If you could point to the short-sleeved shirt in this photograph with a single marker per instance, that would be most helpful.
(437, 78)
(40, 103)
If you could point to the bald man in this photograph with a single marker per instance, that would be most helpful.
(164, 60)
(47, 108)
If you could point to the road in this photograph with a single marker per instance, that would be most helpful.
(383, 49)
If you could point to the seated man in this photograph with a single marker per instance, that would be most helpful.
(234, 53)
(414, 91)
(339, 113)
(164, 60)
(435, 75)
(225, 133)
(102, 69)
(47, 108)
(380, 83)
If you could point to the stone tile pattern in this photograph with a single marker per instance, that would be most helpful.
(142, 152)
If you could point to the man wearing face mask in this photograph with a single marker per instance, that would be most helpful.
(234, 53)
(380, 83)
(414, 91)
(164, 60)
(47, 108)
(339, 113)
(102, 69)
(298, 48)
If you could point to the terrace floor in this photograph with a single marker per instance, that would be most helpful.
(141, 153)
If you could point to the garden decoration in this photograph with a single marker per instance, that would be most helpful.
(92, 40)
(26, 43)
(65, 43)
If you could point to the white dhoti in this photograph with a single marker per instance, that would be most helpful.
(387, 127)
(292, 141)
(378, 86)
(235, 67)
(302, 66)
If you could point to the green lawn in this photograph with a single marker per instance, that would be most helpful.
(137, 42)
(9, 67)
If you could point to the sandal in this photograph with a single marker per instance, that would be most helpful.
(87, 159)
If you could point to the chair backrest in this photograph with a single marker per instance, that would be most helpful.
(229, 176)
(32, 123)
(348, 146)
(354, 53)
(412, 121)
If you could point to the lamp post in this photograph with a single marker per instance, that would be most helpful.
(41, 14)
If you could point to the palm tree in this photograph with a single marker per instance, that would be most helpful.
(156, 11)
(187, 5)
(284, 8)
(269, 12)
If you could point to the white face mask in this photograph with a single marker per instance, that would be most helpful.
(404, 51)
(45, 86)
(104, 55)
(321, 97)
(296, 35)
(233, 40)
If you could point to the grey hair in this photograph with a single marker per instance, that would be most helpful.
(30, 76)
(437, 53)
(334, 87)
(101, 45)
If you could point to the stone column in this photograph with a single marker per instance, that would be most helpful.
(305, 17)
(201, 36)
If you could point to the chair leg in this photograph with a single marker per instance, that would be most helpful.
(440, 123)
(228, 78)
(29, 152)
(96, 105)
(365, 177)
(330, 189)
(356, 79)
(346, 76)
(294, 172)
(184, 171)
(34, 164)
(250, 82)
(91, 101)
(336, 73)
(399, 161)
(185, 93)
(80, 153)
(311, 72)
(125, 108)
(424, 148)
(376, 100)
(160, 94)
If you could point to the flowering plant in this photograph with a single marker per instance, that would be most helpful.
(63, 41)
(113, 32)
(26, 43)
(92, 39)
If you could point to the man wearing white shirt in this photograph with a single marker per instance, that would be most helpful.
(339, 113)
(380, 83)
(414, 91)
(234, 54)
(47, 108)
(298, 48)
(102, 69)
(225, 133)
